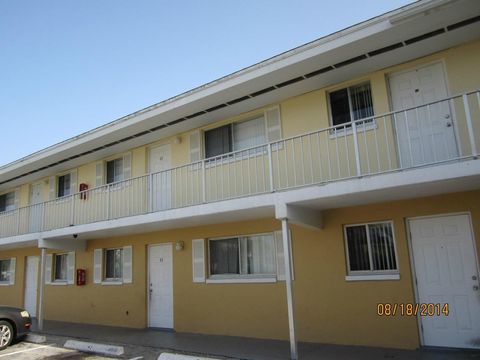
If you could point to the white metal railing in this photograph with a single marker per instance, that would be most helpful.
(441, 131)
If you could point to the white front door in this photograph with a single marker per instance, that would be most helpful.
(36, 197)
(160, 287)
(426, 134)
(447, 273)
(31, 285)
(161, 179)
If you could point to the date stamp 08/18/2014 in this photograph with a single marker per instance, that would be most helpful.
(412, 309)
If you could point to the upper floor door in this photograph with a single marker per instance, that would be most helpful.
(160, 164)
(36, 198)
(425, 134)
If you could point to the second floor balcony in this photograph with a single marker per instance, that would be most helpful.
(433, 134)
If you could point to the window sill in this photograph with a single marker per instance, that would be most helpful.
(5, 283)
(235, 156)
(342, 132)
(372, 277)
(56, 283)
(112, 282)
(240, 280)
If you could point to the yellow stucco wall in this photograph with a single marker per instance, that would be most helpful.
(329, 309)
(309, 111)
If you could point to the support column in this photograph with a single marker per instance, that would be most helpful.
(42, 288)
(288, 284)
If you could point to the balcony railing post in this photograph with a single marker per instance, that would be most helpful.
(270, 167)
(151, 197)
(471, 133)
(355, 146)
(204, 185)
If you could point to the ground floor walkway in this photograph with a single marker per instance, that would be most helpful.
(237, 347)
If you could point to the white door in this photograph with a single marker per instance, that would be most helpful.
(426, 134)
(160, 290)
(161, 181)
(31, 285)
(447, 273)
(36, 198)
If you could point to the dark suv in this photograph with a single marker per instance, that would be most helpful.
(14, 323)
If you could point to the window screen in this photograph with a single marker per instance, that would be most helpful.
(114, 170)
(63, 185)
(113, 263)
(60, 267)
(4, 270)
(7, 202)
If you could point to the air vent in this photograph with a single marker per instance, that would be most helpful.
(240, 99)
(290, 82)
(350, 61)
(424, 36)
(385, 49)
(319, 71)
(178, 121)
(263, 91)
(463, 23)
(216, 107)
(195, 115)
(158, 127)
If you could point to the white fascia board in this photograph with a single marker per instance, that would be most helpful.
(356, 191)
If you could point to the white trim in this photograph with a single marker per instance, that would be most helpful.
(5, 283)
(111, 282)
(56, 283)
(371, 272)
(372, 277)
(241, 280)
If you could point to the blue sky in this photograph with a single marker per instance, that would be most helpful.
(69, 66)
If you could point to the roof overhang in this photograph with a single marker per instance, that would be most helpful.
(386, 40)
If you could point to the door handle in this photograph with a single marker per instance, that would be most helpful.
(150, 291)
(475, 287)
(447, 116)
(449, 124)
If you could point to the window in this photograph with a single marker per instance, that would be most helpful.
(60, 267)
(7, 202)
(236, 136)
(5, 271)
(113, 264)
(371, 249)
(63, 188)
(115, 170)
(242, 256)
(352, 103)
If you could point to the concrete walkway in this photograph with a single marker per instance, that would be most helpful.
(238, 347)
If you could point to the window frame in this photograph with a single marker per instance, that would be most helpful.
(240, 278)
(6, 194)
(7, 280)
(231, 125)
(371, 274)
(54, 268)
(57, 190)
(369, 122)
(105, 279)
(106, 170)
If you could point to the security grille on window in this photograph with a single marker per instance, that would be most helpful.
(60, 266)
(4, 271)
(115, 170)
(351, 103)
(371, 249)
(7, 202)
(236, 136)
(113, 264)
(246, 255)
(63, 185)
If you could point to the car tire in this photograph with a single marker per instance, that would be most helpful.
(6, 334)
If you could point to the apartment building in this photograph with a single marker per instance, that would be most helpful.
(328, 194)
